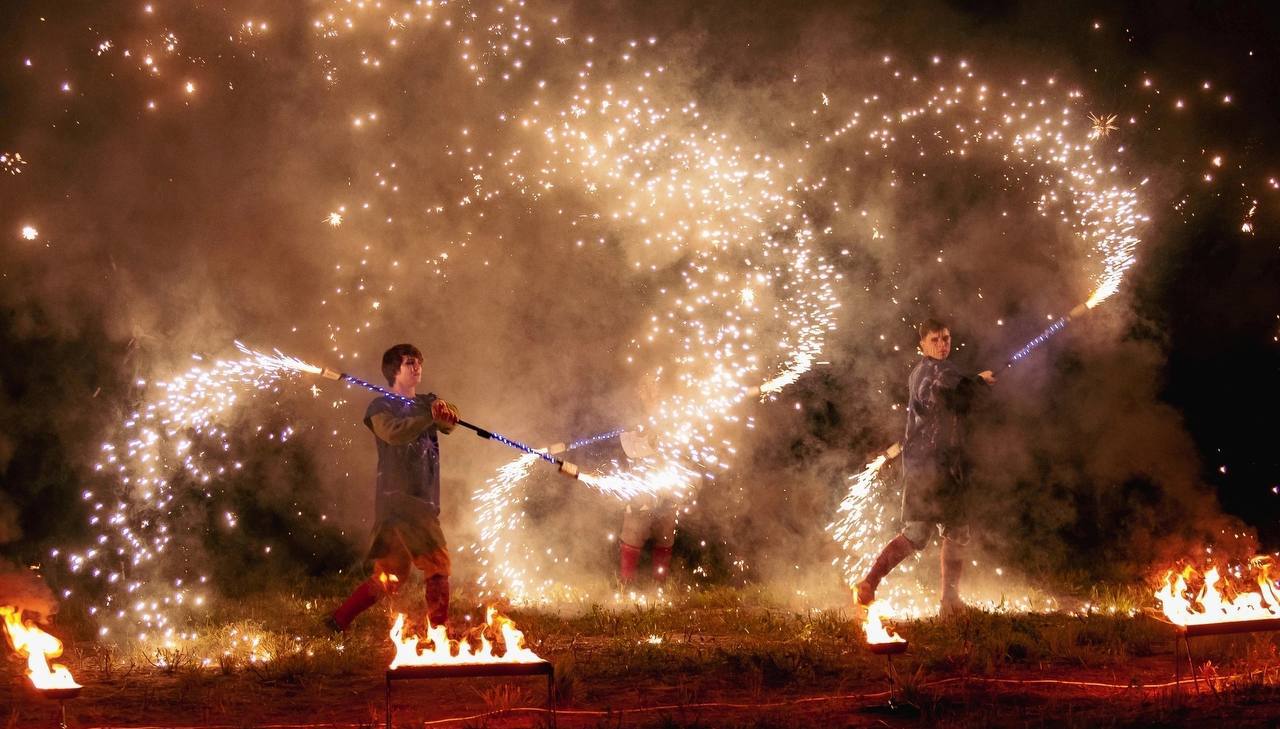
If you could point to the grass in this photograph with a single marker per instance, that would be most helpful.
(709, 645)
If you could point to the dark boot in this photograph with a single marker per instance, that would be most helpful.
(893, 553)
(627, 566)
(661, 563)
(437, 592)
(361, 599)
(952, 568)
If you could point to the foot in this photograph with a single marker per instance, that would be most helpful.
(329, 624)
(866, 593)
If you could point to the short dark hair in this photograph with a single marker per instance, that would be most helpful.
(929, 326)
(394, 357)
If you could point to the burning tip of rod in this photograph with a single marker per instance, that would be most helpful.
(569, 469)
(329, 374)
(557, 448)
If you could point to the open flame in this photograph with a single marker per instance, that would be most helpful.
(38, 647)
(441, 651)
(874, 626)
(1209, 605)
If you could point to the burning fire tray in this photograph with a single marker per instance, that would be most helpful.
(60, 694)
(1260, 625)
(470, 670)
(476, 670)
(888, 649)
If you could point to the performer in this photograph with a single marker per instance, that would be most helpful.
(935, 467)
(407, 497)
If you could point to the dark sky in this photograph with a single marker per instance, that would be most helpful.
(173, 230)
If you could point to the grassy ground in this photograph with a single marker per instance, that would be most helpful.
(722, 657)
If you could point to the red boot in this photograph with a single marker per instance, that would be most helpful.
(952, 567)
(630, 557)
(893, 553)
(361, 599)
(437, 593)
(661, 563)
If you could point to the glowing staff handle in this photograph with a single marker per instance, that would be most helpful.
(569, 469)
(895, 450)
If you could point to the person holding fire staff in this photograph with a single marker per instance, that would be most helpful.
(934, 464)
(407, 498)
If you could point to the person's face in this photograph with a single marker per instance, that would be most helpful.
(936, 345)
(410, 373)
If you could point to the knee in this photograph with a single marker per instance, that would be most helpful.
(916, 532)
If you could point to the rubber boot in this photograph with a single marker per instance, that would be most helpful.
(893, 553)
(630, 558)
(661, 563)
(437, 594)
(952, 568)
(361, 599)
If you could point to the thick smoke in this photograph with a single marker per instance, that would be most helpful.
(170, 233)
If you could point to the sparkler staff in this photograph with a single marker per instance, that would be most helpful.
(280, 361)
(406, 426)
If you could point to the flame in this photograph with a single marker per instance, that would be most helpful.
(441, 651)
(38, 646)
(1209, 605)
(874, 627)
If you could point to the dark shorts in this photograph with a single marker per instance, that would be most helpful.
(410, 535)
(936, 492)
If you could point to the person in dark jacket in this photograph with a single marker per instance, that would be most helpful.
(934, 465)
(407, 497)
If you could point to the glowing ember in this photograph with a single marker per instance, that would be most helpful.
(876, 631)
(38, 647)
(1208, 605)
(441, 651)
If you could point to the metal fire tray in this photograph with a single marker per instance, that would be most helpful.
(475, 670)
(888, 649)
(59, 694)
(1261, 625)
(470, 670)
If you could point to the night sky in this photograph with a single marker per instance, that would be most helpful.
(182, 196)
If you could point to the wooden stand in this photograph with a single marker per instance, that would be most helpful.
(475, 670)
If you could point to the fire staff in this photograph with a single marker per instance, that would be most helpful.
(935, 467)
(406, 430)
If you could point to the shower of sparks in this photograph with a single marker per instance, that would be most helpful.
(1103, 125)
(12, 162)
(177, 437)
(277, 362)
(731, 233)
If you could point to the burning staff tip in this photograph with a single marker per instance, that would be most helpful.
(330, 374)
(569, 469)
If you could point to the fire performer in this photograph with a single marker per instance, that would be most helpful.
(645, 518)
(407, 499)
(935, 468)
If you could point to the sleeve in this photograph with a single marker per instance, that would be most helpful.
(396, 426)
(959, 390)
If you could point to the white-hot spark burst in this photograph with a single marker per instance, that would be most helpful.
(729, 232)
